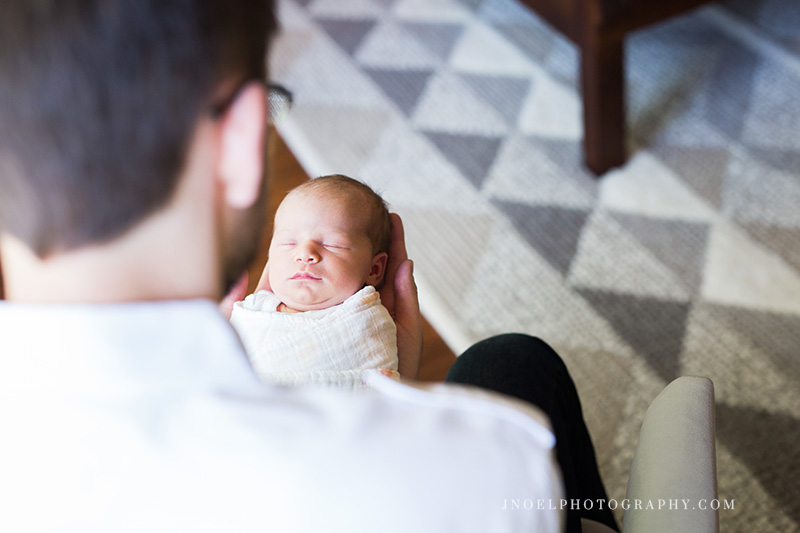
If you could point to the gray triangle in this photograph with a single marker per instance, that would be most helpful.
(438, 38)
(506, 94)
(568, 155)
(348, 34)
(702, 169)
(471, 4)
(679, 245)
(471, 154)
(303, 3)
(534, 44)
(775, 334)
(497, 11)
(783, 241)
(654, 328)
(767, 443)
(403, 87)
(553, 232)
(786, 160)
(731, 88)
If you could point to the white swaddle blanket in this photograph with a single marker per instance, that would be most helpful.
(339, 346)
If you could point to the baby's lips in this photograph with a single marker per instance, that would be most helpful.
(305, 276)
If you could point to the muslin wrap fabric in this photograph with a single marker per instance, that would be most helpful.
(340, 346)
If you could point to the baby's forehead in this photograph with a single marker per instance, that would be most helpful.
(329, 192)
(348, 206)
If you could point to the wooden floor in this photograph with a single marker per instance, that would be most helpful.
(285, 173)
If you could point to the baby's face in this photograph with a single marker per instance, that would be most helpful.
(320, 252)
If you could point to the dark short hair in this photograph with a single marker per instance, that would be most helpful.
(379, 221)
(98, 102)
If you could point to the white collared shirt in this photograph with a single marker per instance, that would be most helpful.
(147, 417)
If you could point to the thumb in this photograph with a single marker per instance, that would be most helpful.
(408, 321)
(406, 300)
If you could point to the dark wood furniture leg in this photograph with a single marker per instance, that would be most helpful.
(598, 28)
(603, 87)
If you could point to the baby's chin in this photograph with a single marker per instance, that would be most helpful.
(293, 305)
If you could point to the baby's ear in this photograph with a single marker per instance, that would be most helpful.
(378, 269)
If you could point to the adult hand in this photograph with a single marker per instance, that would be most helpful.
(399, 296)
(237, 292)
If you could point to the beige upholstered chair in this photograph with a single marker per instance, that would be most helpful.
(675, 459)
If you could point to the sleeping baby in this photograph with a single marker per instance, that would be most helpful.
(322, 320)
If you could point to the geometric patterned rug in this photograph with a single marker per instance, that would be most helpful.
(465, 115)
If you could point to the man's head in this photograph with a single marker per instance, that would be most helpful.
(331, 237)
(100, 100)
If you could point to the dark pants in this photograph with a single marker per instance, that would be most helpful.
(527, 368)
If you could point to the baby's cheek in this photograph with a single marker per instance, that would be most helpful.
(275, 278)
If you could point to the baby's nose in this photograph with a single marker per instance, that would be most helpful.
(307, 254)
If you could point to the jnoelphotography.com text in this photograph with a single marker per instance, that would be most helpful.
(672, 504)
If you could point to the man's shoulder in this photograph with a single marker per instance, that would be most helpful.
(454, 455)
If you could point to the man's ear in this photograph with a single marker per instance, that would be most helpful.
(241, 161)
(378, 269)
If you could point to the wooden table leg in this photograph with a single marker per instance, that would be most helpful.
(603, 86)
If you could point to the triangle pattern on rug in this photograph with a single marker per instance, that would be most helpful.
(482, 50)
(552, 231)
(350, 9)
(757, 193)
(783, 241)
(450, 105)
(776, 335)
(328, 74)
(524, 171)
(403, 87)
(754, 435)
(348, 34)
(499, 11)
(391, 46)
(438, 37)
(408, 179)
(351, 134)
(735, 273)
(610, 259)
(472, 4)
(782, 159)
(774, 112)
(731, 90)
(535, 43)
(645, 186)
(552, 110)
(654, 328)
(679, 245)
(471, 154)
(702, 169)
(567, 154)
(506, 94)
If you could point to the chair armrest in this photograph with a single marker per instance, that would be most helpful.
(675, 461)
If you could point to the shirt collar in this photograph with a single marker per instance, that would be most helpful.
(98, 348)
